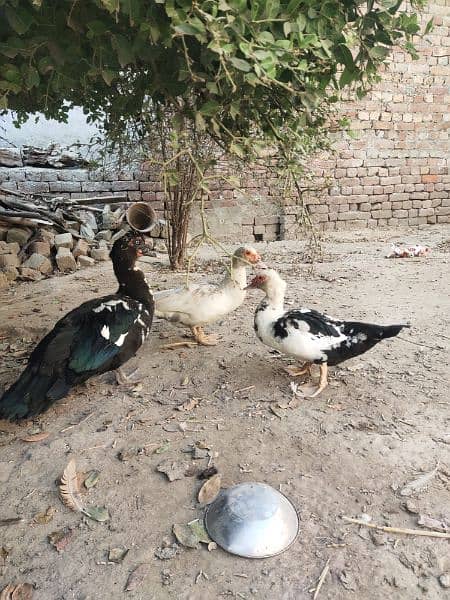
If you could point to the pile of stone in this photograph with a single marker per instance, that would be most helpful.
(30, 256)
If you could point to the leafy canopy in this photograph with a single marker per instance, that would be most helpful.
(245, 71)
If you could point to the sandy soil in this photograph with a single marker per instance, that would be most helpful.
(383, 421)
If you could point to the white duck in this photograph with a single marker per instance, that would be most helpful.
(200, 304)
(309, 335)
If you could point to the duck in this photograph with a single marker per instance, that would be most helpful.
(309, 335)
(98, 336)
(197, 305)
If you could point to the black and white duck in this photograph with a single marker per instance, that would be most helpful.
(98, 336)
(310, 336)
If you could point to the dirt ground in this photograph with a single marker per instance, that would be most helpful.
(383, 421)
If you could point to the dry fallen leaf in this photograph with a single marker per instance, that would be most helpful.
(172, 469)
(97, 513)
(136, 577)
(91, 479)
(37, 437)
(4, 553)
(60, 539)
(69, 488)
(45, 517)
(198, 529)
(209, 490)
(117, 555)
(189, 404)
(22, 591)
(435, 524)
(164, 448)
(185, 536)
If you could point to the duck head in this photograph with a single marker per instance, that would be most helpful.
(128, 249)
(247, 256)
(270, 282)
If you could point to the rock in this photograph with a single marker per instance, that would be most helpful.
(10, 157)
(444, 580)
(65, 259)
(3, 232)
(19, 235)
(86, 231)
(64, 240)
(9, 260)
(73, 226)
(89, 219)
(81, 248)
(11, 273)
(47, 236)
(160, 246)
(11, 248)
(102, 244)
(104, 234)
(38, 262)
(29, 274)
(85, 261)
(41, 248)
(100, 253)
(4, 282)
(52, 156)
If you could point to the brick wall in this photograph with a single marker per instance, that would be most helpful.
(397, 170)
(395, 173)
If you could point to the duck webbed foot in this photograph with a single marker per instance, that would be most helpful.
(310, 390)
(123, 379)
(297, 371)
(203, 339)
(323, 381)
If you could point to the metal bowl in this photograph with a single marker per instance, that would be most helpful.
(253, 520)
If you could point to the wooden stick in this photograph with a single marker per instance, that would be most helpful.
(386, 529)
(12, 192)
(322, 579)
(23, 221)
(98, 200)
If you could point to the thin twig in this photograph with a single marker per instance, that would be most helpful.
(420, 344)
(76, 424)
(386, 529)
(322, 579)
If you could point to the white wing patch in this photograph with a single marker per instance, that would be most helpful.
(110, 305)
(121, 339)
(104, 332)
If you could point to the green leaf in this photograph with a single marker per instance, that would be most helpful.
(19, 19)
(237, 149)
(430, 26)
(91, 479)
(210, 108)
(32, 78)
(348, 75)
(240, 64)
(378, 52)
(124, 50)
(98, 27)
(97, 513)
(188, 29)
(108, 76)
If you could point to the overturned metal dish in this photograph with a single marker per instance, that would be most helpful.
(253, 520)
